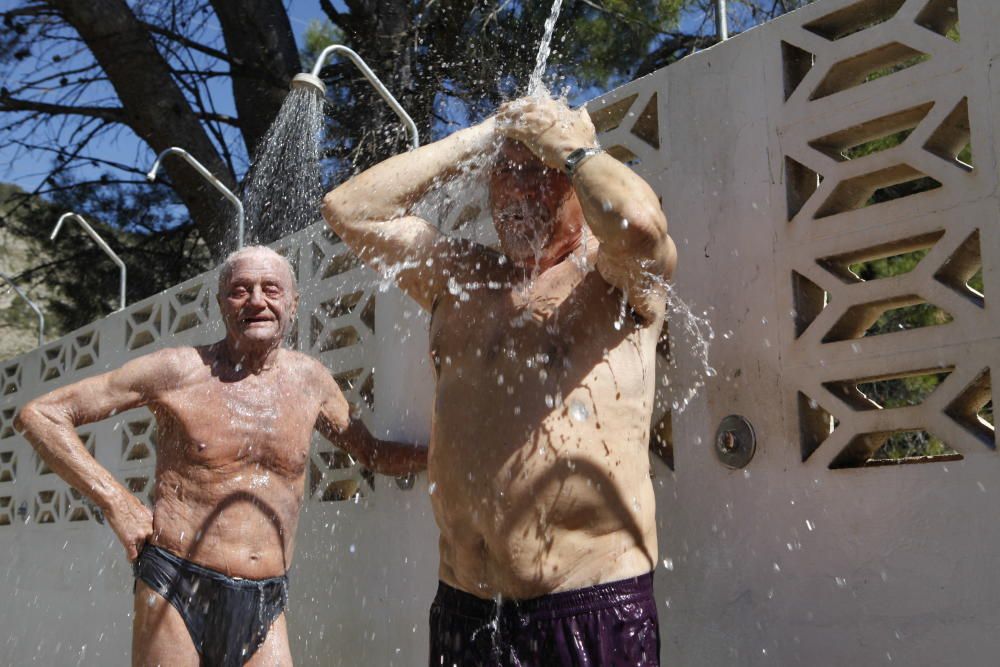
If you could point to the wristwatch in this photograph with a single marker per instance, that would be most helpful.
(578, 157)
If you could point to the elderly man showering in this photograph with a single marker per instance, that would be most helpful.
(234, 420)
(544, 355)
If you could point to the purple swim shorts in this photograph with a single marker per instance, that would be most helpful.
(608, 625)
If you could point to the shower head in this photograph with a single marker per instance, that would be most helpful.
(309, 82)
(312, 81)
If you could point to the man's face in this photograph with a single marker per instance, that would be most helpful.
(527, 201)
(259, 299)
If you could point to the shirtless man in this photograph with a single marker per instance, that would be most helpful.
(234, 420)
(545, 377)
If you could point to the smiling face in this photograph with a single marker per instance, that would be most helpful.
(257, 297)
(535, 210)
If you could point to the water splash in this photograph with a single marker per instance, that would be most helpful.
(281, 192)
(693, 333)
(535, 86)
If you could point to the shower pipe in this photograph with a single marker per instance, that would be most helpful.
(311, 81)
(34, 307)
(721, 21)
(104, 246)
(210, 177)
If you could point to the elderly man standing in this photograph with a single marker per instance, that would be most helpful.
(234, 421)
(544, 355)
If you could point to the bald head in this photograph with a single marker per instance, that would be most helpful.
(254, 252)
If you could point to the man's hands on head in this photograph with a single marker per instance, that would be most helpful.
(132, 522)
(549, 128)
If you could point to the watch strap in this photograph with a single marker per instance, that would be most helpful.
(578, 157)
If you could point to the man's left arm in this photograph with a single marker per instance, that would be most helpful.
(382, 456)
(636, 254)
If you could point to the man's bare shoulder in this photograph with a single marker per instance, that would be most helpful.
(308, 368)
(168, 368)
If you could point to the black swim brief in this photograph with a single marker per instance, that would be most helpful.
(609, 625)
(228, 619)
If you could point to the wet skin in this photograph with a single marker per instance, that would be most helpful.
(544, 394)
(538, 450)
(234, 422)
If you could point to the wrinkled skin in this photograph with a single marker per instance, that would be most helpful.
(234, 421)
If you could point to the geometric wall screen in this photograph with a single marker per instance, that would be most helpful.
(881, 240)
(335, 324)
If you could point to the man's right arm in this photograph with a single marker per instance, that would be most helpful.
(372, 213)
(49, 423)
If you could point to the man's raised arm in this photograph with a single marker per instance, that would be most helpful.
(636, 254)
(372, 213)
(49, 423)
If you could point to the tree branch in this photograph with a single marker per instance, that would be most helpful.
(331, 12)
(190, 43)
(663, 55)
(111, 114)
(29, 10)
(219, 118)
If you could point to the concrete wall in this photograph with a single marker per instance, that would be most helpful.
(812, 554)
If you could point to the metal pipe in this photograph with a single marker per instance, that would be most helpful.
(34, 307)
(104, 246)
(721, 21)
(210, 177)
(312, 80)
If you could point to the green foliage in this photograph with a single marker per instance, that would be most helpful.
(911, 445)
(600, 45)
(319, 34)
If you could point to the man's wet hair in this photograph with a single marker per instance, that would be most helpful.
(226, 269)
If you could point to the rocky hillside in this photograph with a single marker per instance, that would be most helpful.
(18, 322)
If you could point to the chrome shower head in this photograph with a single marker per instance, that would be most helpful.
(309, 82)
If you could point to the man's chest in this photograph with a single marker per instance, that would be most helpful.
(219, 423)
(517, 340)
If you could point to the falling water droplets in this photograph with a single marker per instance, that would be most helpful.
(535, 86)
(281, 191)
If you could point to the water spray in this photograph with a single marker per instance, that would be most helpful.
(311, 81)
(211, 178)
(100, 242)
(34, 307)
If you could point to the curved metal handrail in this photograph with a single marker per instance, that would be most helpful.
(411, 127)
(104, 246)
(211, 178)
(34, 307)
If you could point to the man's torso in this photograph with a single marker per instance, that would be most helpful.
(231, 459)
(538, 460)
